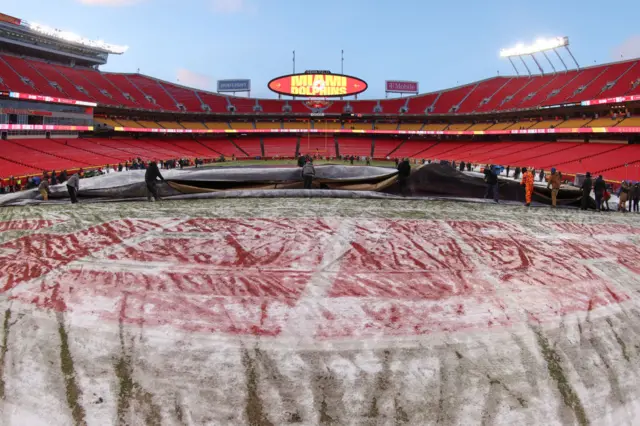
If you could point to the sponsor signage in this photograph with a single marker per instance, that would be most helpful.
(560, 105)
(9, 19)
(50, 99)
(388, 132)
(26, 112)
(611, 100)
(237, 85)
(398, 86)
(44, 127)
(317, 85)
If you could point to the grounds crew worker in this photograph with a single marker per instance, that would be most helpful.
(555, 181)
(308, 173)
(150, 178)
(404, 170)
(73, 185)
(587, 184)
(527, 182)
(44, 188)
(493, 187)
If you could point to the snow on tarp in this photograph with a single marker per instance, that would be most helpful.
(275, 311)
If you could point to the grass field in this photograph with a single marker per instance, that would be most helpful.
(295, 162)
(314, 311)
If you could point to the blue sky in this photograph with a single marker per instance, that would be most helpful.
(440, 44)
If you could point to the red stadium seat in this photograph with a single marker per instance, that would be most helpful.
(624, 82)
(450, 98)
(122, 82)
(384, 147)
(413, 149)
(51, 73)
(38, 159)
(153, 88)
(10, 166)
(223, 147)
(11, 79)
(363, 107)
(184, 96)
(41, 84)
(250, 146)
(392, 106)
(511, 88)
(271, 106)
(485, 90)
(101, 83)
(570, 90)
(352, 146)
(280, 147)
(419, 104)
(217, 103)
(323, 146)
(536, 83)
(553, 84)
(243, 105)
(297, 107)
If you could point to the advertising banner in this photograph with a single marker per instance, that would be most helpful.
(389, 132)
(398, 86)
(41, 98)
(317, 85)
(45, 127)
(9, 19)
(615, 100)
(236, 85)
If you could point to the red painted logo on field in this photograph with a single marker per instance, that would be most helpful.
(27, 225)
(347, 278)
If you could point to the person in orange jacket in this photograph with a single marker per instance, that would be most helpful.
(527, 182)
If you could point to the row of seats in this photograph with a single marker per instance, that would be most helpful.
(326, 125)
(615, 161)
(31, 156)
(26, 157)
(493, 94)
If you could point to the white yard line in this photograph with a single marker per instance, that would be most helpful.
(308, 310)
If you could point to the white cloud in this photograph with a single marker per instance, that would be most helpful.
(629, 49)
(194, 79)
(114, 3)
(232, 6)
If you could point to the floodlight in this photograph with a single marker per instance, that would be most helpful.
(539, 45)
(74, 38)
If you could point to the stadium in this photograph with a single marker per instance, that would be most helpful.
(242, 298)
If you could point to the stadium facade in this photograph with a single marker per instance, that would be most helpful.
(58, 111)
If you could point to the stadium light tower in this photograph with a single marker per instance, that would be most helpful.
(74, 38)
(540, 46)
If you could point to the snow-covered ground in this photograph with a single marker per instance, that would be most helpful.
(314, 311)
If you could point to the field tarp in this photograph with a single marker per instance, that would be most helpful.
(432, 180)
